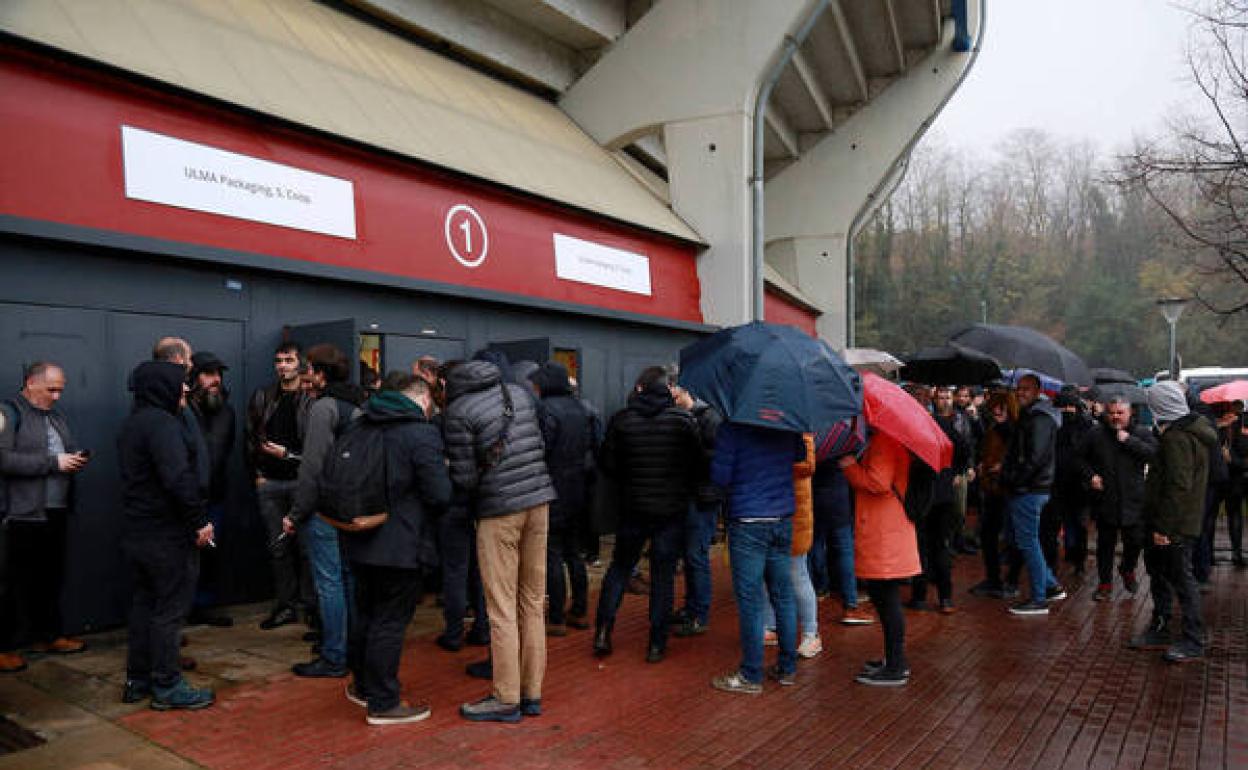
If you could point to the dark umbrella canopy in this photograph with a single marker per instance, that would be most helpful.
(1022, 346)
(1104, 374)
(772, 376)
(1130, 391)
(950, 365)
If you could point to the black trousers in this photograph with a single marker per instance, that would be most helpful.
(1107, 536)
(385, 599)
(35, 552)
(165, 568)
(1170, 573)
(991, 525)
(563, 548)
(1050, 525)
(935, 534)
(461, 579)
(667, 543)
(886, 596)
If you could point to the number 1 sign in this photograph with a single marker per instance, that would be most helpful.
(466, 235)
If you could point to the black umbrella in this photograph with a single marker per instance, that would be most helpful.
(1129, 390)
(950, 365)
(1104, 374)
(1017, 346)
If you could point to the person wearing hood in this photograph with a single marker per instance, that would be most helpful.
(389, 561)
(652, 450)
(39, 460)
(209, 403)
(1028, 473)
(494, 445)
(568, 435)
(165, 524)
(1174, 500)
(337, 405)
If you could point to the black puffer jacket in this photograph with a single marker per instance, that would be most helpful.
(160, 491)
(473, 423)
(568, 435)
(1031, 459)
(652, 449)
(418, 488)
(1121, 466)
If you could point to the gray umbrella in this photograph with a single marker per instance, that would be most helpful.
(1015, 346)
(1104, 374)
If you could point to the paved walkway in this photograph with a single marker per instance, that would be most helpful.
(989, 690)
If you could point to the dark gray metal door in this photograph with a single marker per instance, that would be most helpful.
(400, 351)
(345, 334)
(536, 350)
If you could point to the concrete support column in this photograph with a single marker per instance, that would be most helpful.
(709, 168)
(817, 265)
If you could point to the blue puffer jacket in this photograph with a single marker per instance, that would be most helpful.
(755, 466)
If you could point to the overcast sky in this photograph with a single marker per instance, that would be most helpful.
(1098, 69)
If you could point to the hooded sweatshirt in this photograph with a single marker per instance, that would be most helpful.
(568, 434)
(160, 483)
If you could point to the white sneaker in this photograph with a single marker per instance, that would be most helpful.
(811, 646)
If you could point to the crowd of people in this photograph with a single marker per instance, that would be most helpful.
(481, 476)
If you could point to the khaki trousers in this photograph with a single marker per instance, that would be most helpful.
(511, 550)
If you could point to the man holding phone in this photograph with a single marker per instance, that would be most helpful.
(38, 461)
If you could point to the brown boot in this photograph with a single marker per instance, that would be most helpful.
(11, 663)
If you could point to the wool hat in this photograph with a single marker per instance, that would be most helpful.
(1167, 401)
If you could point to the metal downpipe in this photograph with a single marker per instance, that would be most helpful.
(758, 236)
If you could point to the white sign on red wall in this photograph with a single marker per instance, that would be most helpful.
(588, 262)
(175, 172)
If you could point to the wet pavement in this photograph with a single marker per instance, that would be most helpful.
(988, 690)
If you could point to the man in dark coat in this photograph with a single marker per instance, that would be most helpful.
(936, 531)
(494, 445)
(1112, 461)
(388, 562)
(567, 433)
(165, 522)
(39, 459)
(1174, 501)
(209, 402)
(1066, 510)
(1028, 472)
(652, 450)
(701, 521)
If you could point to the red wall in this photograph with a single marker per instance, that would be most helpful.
(60, 161)
(779, 309)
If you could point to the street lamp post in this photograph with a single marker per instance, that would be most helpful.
(1171, 309)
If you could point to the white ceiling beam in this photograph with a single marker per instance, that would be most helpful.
(778, 124)
(812, 86)
(851, 49)
(894, 31)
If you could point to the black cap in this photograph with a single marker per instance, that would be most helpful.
(206, 362)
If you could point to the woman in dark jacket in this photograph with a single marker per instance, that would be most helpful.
(389, 561)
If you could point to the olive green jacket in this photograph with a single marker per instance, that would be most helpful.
(1174, 493)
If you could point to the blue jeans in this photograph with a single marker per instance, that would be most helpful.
(841, 548)
(334, 588)
(760, 556)
(666, 536)
(803, 596)
(1024, 513)
(699, 530)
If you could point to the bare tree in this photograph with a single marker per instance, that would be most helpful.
(1198, 174)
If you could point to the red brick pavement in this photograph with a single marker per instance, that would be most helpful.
(989, 690)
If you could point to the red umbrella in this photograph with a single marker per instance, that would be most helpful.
(893, 411)
(1235, 390)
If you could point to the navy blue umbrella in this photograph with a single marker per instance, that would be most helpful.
(772, 376)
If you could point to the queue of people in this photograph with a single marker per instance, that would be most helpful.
(485, 474)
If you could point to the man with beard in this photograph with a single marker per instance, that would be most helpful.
(276, 420)
(209, 403)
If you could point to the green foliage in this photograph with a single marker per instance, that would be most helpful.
(1033, 236)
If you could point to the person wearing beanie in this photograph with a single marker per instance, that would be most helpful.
(1174, 499)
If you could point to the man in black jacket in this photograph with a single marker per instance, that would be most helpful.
(39, 459)
(165, 523)
(1027, 473)
(276, 422)
(495, 448)
(1066, 509)
(209, 402)
(1111, 462)
(936, 531)
(701, 520)
(387, 563)
(653, 451)
(567, 433)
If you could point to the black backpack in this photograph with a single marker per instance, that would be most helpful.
(920, 490)
(354, 479)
